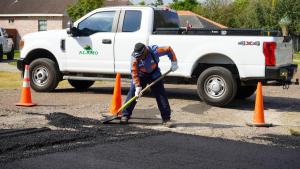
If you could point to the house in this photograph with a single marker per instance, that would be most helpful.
(20, 17)
(197, 21)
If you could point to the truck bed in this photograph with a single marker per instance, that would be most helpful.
(224, 32)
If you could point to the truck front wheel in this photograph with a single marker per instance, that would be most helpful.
(216, 86)
(81, 84)
(44, 75)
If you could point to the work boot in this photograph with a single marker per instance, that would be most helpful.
(168, 123)
(124, 119)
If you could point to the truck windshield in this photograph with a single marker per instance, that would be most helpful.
(165, 19)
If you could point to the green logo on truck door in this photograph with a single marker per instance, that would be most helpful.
(88, 51)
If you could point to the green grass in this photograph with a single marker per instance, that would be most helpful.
(297, 58)
(10, 80)
(17, 56)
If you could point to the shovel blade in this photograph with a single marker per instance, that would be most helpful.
(108, 119)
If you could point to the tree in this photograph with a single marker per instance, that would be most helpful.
(83, 7)
(191, 5)
(289, 8)
(142, 2)
(158, 2)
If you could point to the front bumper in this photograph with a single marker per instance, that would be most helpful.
(282, 73)
(21, 64)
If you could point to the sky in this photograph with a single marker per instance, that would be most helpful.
(150, 1)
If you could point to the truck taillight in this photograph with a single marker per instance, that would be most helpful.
(269, 52)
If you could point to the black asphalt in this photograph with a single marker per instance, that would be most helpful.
(166, 150)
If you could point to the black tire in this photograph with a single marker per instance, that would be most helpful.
(216, 86)
(11, 54)
(81, 84)
(1, 53)
(44, 75)
(244, 92)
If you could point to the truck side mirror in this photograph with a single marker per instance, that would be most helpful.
(71, 30)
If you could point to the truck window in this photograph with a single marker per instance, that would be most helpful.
(132, 21)
(165, 19)
(99, 22)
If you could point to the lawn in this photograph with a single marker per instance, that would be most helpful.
(297, 58)
(17, 55)
(10, 80)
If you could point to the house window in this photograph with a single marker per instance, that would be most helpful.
(42, 25)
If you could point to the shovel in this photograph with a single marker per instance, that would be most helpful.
(112, 117)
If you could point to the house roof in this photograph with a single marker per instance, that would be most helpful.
(197, 21)
(43, 7)
(34, 6)
(117, 2)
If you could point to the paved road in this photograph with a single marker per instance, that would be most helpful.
(168, 150)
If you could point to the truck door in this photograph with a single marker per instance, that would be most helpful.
(92, 50)
(132, 29)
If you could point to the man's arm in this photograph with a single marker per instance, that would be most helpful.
(134, 71)
(167, 50)
(160, 51)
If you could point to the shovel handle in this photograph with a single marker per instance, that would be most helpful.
(155, 81)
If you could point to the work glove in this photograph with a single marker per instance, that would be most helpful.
(174, 66)
(138, 90)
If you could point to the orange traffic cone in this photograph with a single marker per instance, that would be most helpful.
(26, 95)
(258, 117)
(116, 101)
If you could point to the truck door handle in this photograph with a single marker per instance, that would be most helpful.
(106, 41)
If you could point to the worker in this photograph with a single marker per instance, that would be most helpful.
(144, 70)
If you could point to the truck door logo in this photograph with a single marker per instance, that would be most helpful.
(88, 50)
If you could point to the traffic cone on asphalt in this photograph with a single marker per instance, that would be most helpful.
(258, 117)
(116, 101)
(26, 94)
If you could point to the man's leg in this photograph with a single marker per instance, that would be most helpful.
(128, 110)
(162, 101)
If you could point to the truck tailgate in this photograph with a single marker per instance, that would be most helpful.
(284, 52)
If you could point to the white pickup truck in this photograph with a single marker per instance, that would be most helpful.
(6, 45)
(224, 64)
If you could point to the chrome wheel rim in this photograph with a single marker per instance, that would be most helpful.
(215, 86)
(40, 75)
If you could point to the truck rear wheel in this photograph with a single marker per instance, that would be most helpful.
(81, 84)
(44, 75)
(245, 91)
(216, 86)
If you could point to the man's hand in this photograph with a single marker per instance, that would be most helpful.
(174, 66)
(138, 90)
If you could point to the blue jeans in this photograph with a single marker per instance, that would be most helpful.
(159, 92)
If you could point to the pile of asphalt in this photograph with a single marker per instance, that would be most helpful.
(70, 132)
